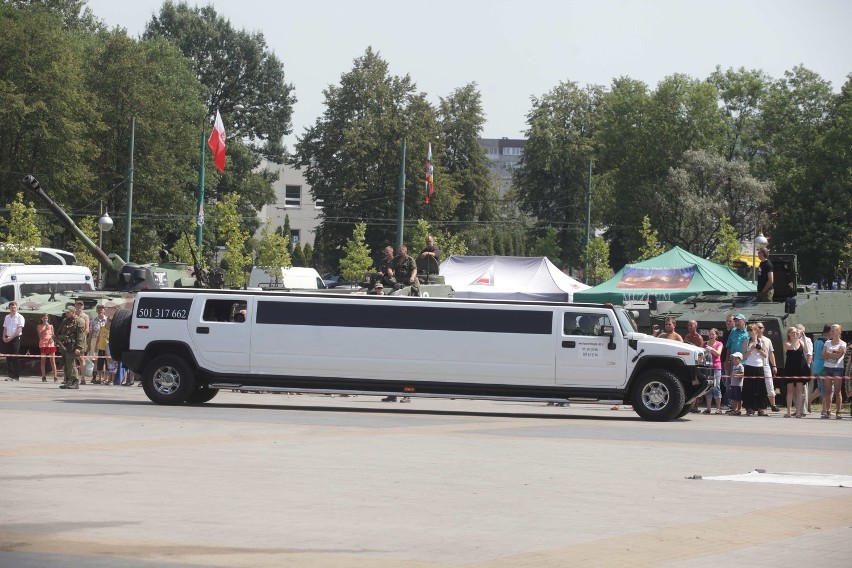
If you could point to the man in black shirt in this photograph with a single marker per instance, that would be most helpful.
(765, 277)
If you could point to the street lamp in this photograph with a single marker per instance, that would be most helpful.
(759, 241)
(104, 224)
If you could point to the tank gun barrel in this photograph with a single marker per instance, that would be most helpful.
(113, 264)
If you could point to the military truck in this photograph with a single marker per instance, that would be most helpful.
(792, 304)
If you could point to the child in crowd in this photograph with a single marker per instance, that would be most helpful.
(104, 375)
(737, 374)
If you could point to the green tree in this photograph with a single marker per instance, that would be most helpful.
(728, 245)
(230, 233)
(742, 93)
(351, 156)
(47, 114)
(702, 190)
(244, 80)
(273, 250)
(651, 246)
(356, 258)
(597, 258)
(22, 233)
(547, 245)
(308, 253)
(552, 178)
(298, 255)
(797, 115)
(462, 120)
(286, 232)
(153, 83)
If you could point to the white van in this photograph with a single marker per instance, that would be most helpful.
(20, 280)
(187, 344)
(292, 278)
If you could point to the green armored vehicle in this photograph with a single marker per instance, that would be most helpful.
(120, 283)
(793, 304)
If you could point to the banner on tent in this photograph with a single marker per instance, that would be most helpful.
(665, 278)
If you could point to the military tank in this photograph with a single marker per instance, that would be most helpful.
(121, 281)
(793, 304)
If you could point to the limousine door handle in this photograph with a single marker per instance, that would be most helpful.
(202, 330)
(569, 344)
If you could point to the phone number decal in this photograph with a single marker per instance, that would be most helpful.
(163, 308)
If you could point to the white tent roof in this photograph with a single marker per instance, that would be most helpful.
(509, 278)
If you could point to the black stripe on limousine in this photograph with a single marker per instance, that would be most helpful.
(402, 316)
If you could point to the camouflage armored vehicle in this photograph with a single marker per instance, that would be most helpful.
(121, 281)
(793, 304)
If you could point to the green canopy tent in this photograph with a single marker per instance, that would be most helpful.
(674, 275)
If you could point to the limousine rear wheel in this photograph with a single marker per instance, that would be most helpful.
(201, 395)
(168, 380)
(658, 396)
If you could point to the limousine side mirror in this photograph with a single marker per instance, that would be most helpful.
(609, 331)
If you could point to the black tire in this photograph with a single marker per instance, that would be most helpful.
(119, 333)
(201, 395)
(658, 396)
(684, 411)
(168, 379)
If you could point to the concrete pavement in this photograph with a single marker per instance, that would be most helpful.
(101, 477)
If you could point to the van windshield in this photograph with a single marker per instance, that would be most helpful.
(47, 288)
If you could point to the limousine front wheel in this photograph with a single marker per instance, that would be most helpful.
(168, 380)
(658, 396)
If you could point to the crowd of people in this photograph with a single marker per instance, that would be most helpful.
(81, 342)
(746, 373)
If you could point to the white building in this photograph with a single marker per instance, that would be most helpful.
(292, 198)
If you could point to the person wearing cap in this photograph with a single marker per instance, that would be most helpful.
(737, 374)
(78, 311)
(378, 289)
(736, 336)
(72, 339)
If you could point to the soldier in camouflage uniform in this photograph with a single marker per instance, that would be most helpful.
(72, 341)
(386, 269)
(406, 270)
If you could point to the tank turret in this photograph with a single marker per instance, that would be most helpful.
(120, 275)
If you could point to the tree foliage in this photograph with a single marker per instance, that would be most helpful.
(597, 259)
(552, 178)
(22, 234)
(244, 80)
(703, 190)
(351, 156)
(229, 231)
(356, 258)
(649, 238)
(547, 245)
(273, 250)
(728, 243)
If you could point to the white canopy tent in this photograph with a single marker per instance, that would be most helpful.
(509, 278)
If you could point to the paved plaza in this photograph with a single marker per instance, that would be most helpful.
(101, 477)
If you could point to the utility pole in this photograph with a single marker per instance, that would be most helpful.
(400, 215)
(588, 223)
(129, 193)
(200, 219)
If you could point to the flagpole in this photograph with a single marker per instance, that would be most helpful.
(129, 193)
(401, 194)
(199, 218)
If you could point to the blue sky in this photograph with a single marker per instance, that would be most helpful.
(515, 50)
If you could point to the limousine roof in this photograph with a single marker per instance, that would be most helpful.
(321, 296)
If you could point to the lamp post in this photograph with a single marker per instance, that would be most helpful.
(104, 224)
(759, 241)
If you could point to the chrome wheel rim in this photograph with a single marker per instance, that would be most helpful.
(655, 395)
(166, 380)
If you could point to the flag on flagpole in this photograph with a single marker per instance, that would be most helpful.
(430, 182)
(217, 143)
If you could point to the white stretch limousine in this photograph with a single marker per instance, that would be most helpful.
(187, 344)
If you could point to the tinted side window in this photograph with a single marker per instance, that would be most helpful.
(224, 311)
(583, 323)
